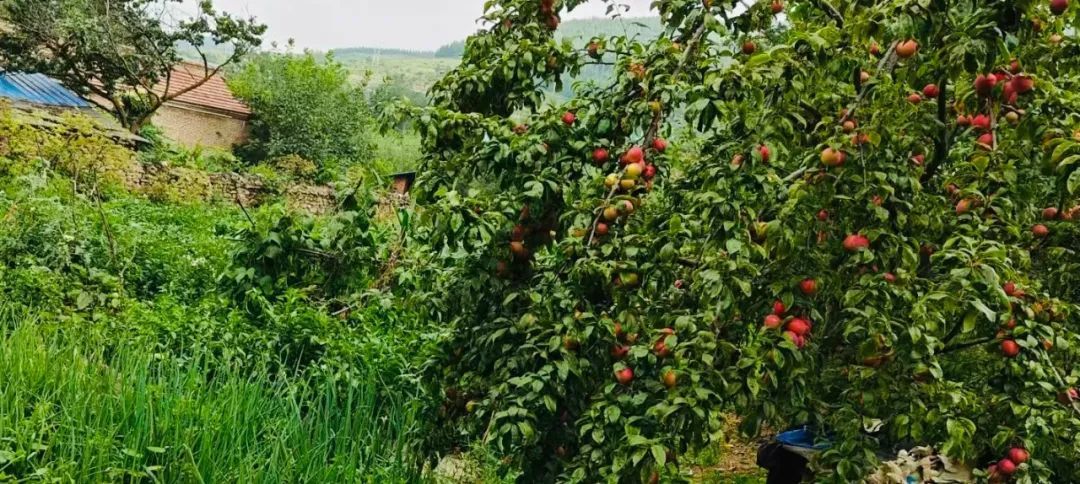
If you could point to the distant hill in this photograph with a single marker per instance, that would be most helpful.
(413, 72)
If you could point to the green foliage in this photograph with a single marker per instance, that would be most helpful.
(545, 310)
(116, 50)
(73, 410)
(302, 107)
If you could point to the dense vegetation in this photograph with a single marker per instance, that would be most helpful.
(869, 228)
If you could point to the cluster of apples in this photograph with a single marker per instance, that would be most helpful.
(547, 10)
(624, 374)
(1006, 467)
(634, 171)
(797, 329)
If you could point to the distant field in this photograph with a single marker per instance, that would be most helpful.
(415, 73)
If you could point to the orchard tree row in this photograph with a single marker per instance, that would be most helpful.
(840, 213)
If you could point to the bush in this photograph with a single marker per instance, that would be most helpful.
(302, 106)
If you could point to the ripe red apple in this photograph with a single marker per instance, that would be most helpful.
(984, 85)
(1040, 231)
(907, 48)
(831, 157)
(1006, 467)
(799, 326)
(624, 376)
(1022, 84)
(914, 98)
(600, 156)
(808, 286)
(981, 122)
(931, 91)
(848, 126)
(985, 142)
(650, 172)
(1008, 94)
(764, 152)
(749, 47)
(1018, 456)
(1068, 396)
(602, 229)
(856, 242)
(919, 159)
(890, 277)
(875, 49)
(1058, 7)
(1050, 213)
(777, 6)
(1010, 349)
(773, 321)
(619, 352)
(679, 284)
(823, 215)
(594, 49)
(634, 155)
(1009, 288)
(660, 144)
(670, 379)
(569, 118)
(963, 121)
(519, 250)
(661, 348)
(778, 308)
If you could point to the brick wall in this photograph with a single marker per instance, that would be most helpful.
(191, 127)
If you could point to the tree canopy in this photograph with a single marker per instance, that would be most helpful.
(868, 225)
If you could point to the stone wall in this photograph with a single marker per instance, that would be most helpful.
(192, 127)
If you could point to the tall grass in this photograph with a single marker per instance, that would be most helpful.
(74, 410)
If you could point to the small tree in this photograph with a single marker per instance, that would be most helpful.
(302, 106)
(122, 52)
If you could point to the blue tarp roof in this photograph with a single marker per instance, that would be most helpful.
(38, 89)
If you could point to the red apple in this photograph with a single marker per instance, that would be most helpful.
(985, 142)
(569, 118)
(1009, 288)
(864, 77)
(808, 286)
(890, 277)
(907, 48)
(659, 144)
(1014, 66)
(634, 155)
(1022, 84)
(914, 98)
(856, 242)
(1050, 213)
(831, 157)
(848, 126)
(602, 228)
(765, 153)
(778, 308)
(981, 122)
(624, 376)
(650, 172)
(799, 326)
(823, 215)
(600, 156)
(1058, 7)
(919, 159)
(1018, 456)
(1010, 349)
(773, 321)
(984, 85)
(619, 352)
(963, 121)
(875, 49)
(1006, 467)
(1040, 231)
(749, 47)
(777, 6)
(931, 91)
(963, 206)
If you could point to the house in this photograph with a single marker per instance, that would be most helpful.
(40, 100)
(208, 115)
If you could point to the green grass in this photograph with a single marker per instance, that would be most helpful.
(73, 410)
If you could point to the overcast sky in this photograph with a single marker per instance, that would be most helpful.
(405, 24)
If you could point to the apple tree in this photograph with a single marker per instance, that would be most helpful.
(866, 222)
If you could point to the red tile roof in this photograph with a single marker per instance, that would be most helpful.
(214, 94)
